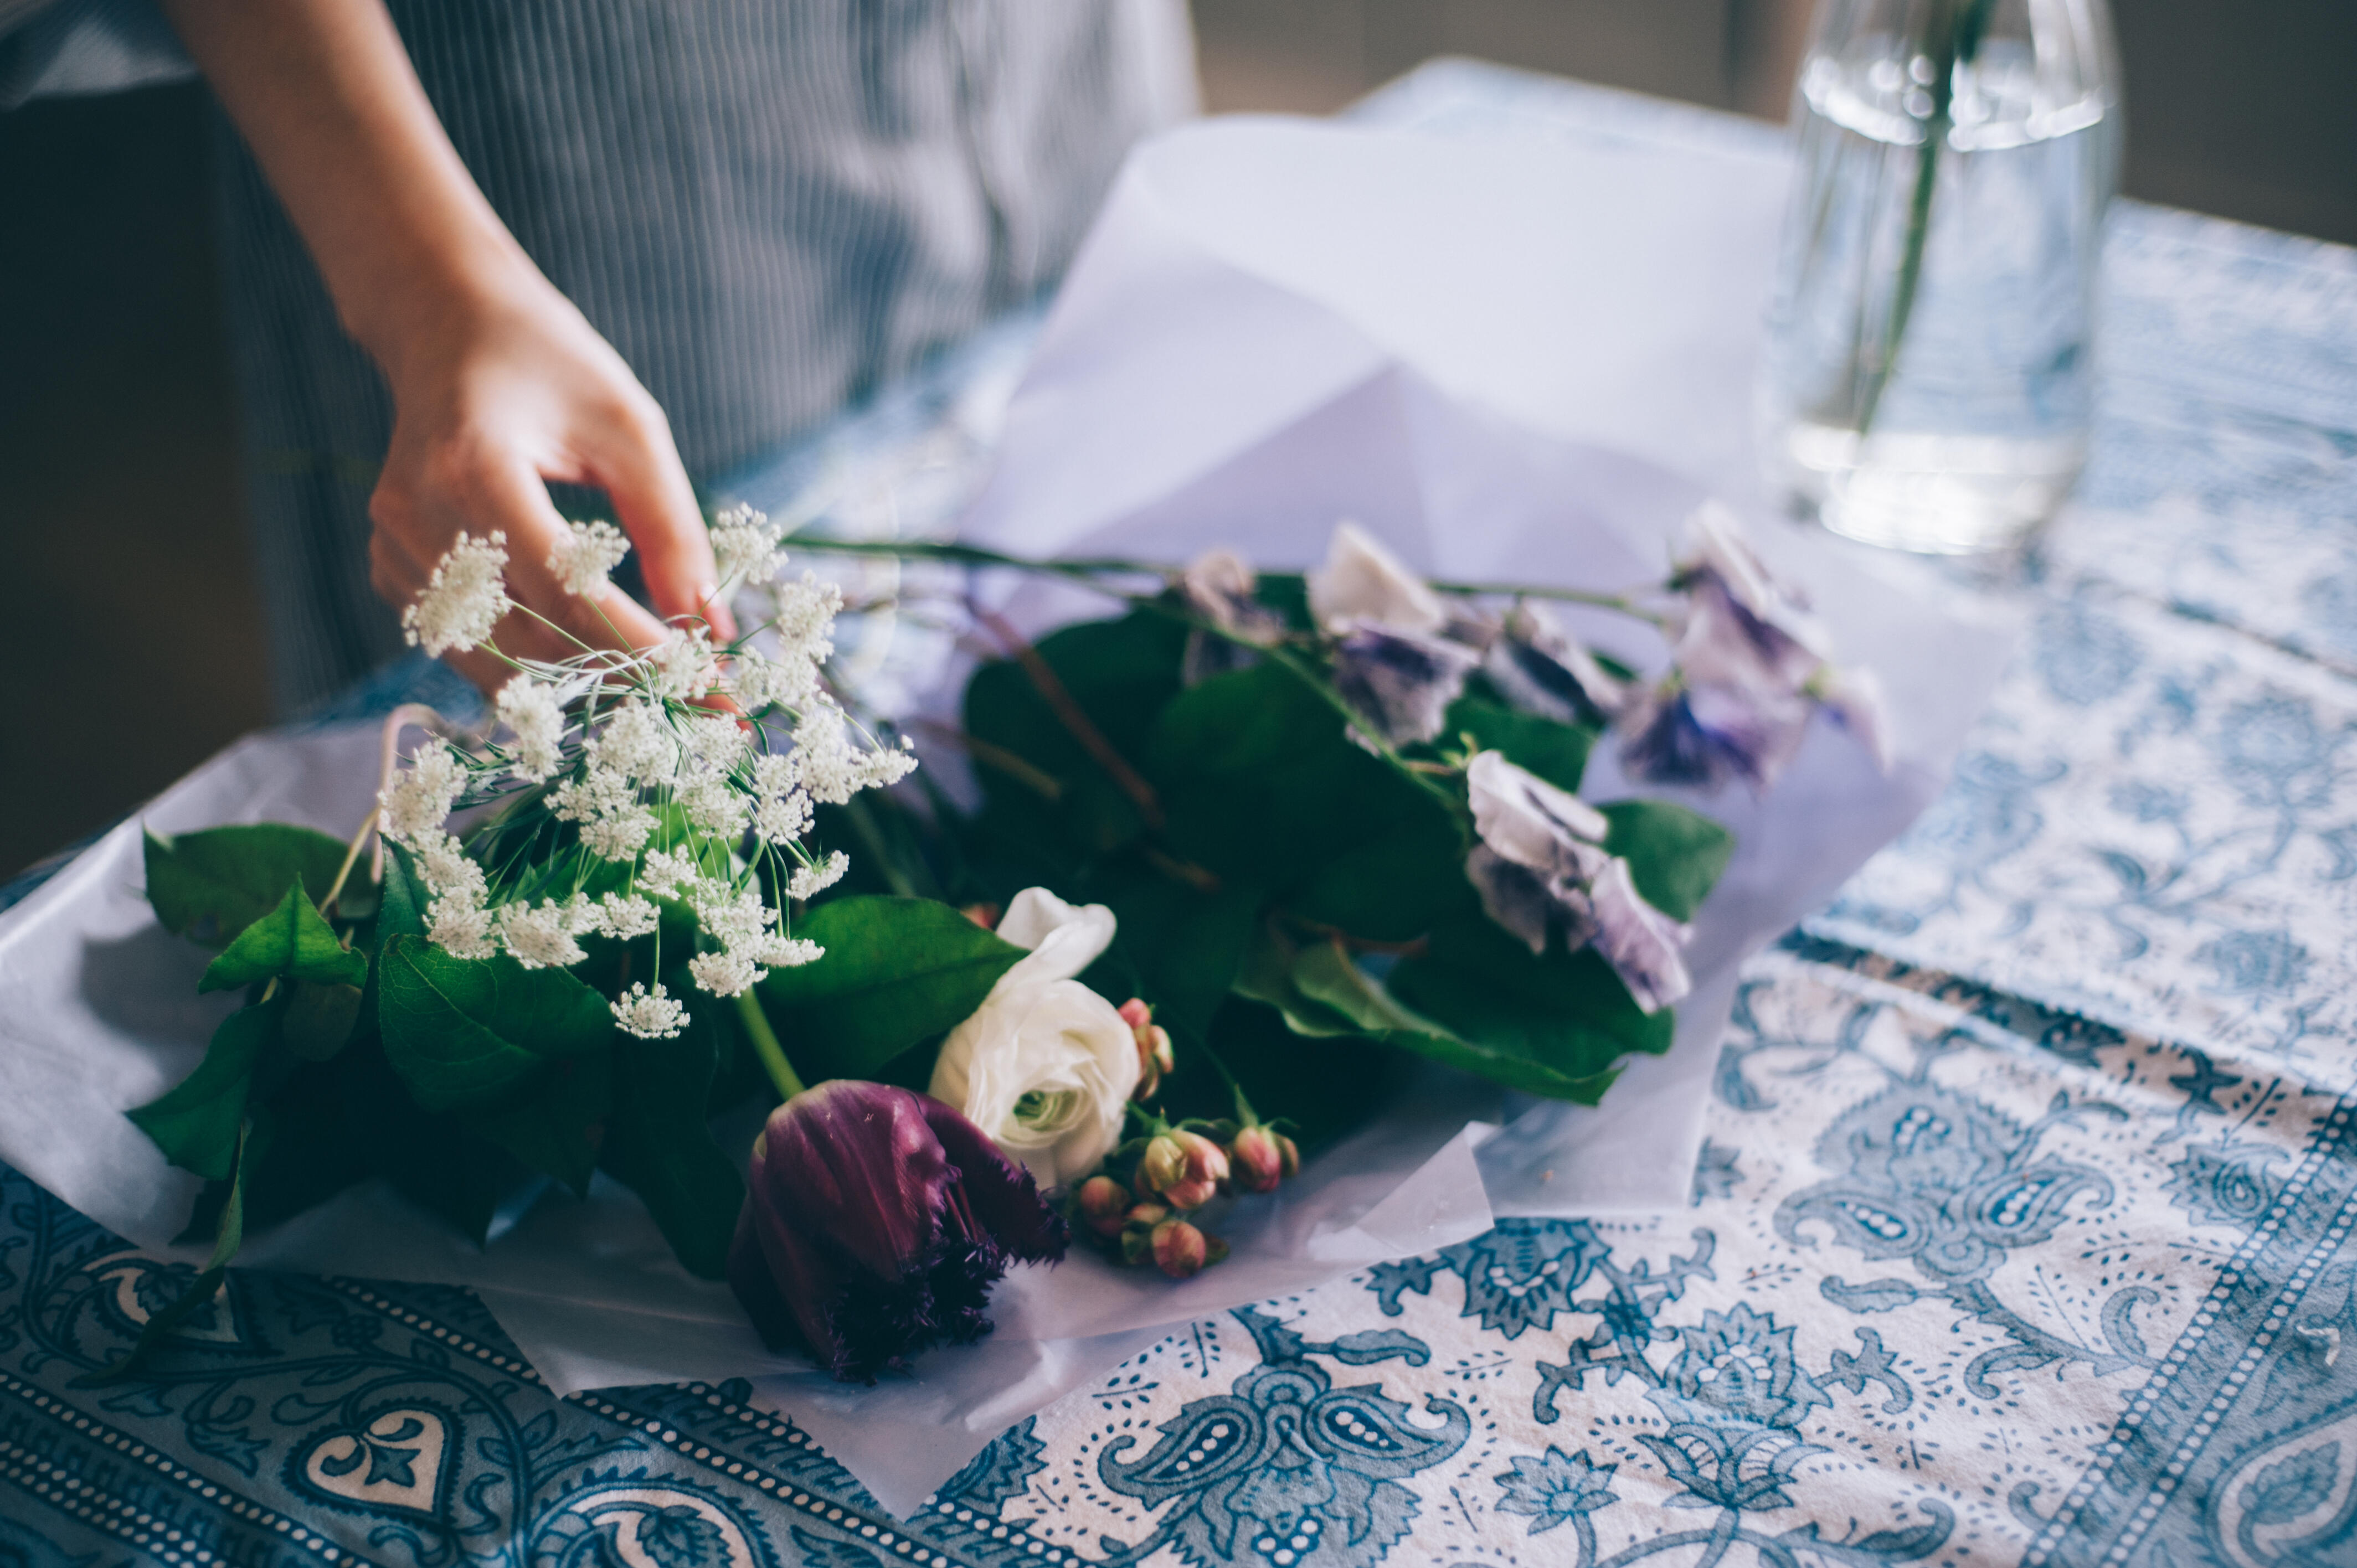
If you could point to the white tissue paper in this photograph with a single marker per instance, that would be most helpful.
(1273, 325)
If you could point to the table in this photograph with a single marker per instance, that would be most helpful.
(2023, 1232)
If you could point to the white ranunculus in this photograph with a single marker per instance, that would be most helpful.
(1363, 583)
(1045, 1065)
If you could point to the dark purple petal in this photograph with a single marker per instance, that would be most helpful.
(1005, 1200)
(1644, 946)
(1401, 683)
(876, 1220)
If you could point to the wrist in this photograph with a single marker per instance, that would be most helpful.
(417, 300)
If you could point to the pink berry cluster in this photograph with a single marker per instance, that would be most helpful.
(1174, 1171)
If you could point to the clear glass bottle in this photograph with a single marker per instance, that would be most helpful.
(1929, 375)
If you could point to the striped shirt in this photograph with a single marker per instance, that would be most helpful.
(768, 207)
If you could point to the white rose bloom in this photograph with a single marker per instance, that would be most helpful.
(1046, 1065)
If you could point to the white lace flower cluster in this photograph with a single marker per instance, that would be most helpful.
(639, 754)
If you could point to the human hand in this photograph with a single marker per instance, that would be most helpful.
(496, 388)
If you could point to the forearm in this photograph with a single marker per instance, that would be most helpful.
(324, 95)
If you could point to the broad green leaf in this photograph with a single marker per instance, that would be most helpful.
(561, 1125)
(1674, 855)
(432, 1159)
(1121, 674)
(401, 909)
(1326, 990)
(1555, 752)
(195, 1122)
(1557, 1026)
(1262, 785)
(319, 1018)
(897, 970)
(1181, 947)
(1266, 976)
(1391, 889)
(213, 884)
(292, 940)
(463, 1033)
(1325, 1086)
(659, 1145)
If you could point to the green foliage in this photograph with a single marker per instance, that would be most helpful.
(196, 1121)
(1555, 752)
(464, 1034)
(292, 940)
(1674, 855)
(212, 884)
(660, 1144)
(897, 970)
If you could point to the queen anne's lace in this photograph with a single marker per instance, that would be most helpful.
(585, 555)
(463, 600)
(649, 1015)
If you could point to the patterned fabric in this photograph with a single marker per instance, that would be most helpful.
(2026, 1231)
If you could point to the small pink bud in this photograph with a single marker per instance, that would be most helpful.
(1135, 1013)
(1192, 1194)
(1257, 1161)
(1179, 1249)
(1288, 1157)
(1206, 1161)
(1163, 1165)
(1102, 1201)
(983, 915)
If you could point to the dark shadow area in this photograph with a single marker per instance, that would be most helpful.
(127, 579)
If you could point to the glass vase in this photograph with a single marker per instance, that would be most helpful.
(1929, 376)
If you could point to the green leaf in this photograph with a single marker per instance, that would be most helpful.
(1391, 889)
(319, 1018)
(293, 940)
(195, 1122)
(1266, 976)
(1557, 1026)
(463, 1033)
(400, 910)
(1262, 786)
(897, 970)
(559, 1128)
(1555, 752)
(432, 1159)
(1181, 947)
(214, 884)
(1674, 855)
(659, 1145)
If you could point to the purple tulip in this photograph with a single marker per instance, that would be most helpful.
(1401, 683)
(875, 1221)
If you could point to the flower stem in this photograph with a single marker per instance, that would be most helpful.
(1951, 36)
(765, 1045)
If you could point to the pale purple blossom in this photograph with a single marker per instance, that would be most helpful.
(1749, 667)
(1543, 873)
(1542, 669)
(1363, 584)
(1400, 682)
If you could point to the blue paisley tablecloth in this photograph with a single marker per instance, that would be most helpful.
(2023, 1233)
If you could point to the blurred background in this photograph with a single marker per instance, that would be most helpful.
(126, 571)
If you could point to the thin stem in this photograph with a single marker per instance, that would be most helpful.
(765, 1045)
(1087, 570)
(351, 856)
(1951, 37)
(1075, 719)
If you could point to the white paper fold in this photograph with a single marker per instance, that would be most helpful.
(1273, 325)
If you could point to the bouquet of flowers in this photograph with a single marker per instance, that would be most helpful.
(1234, 857)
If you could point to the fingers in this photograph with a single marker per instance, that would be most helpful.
(639, 468)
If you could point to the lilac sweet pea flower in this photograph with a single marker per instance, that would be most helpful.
(1218, 586)
(1751, 667)
(1362, 584)
(1542, 669)
(876, 1220)
(1401, 683)
(1542, 869)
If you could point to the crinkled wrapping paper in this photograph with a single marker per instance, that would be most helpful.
(1273, 325)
